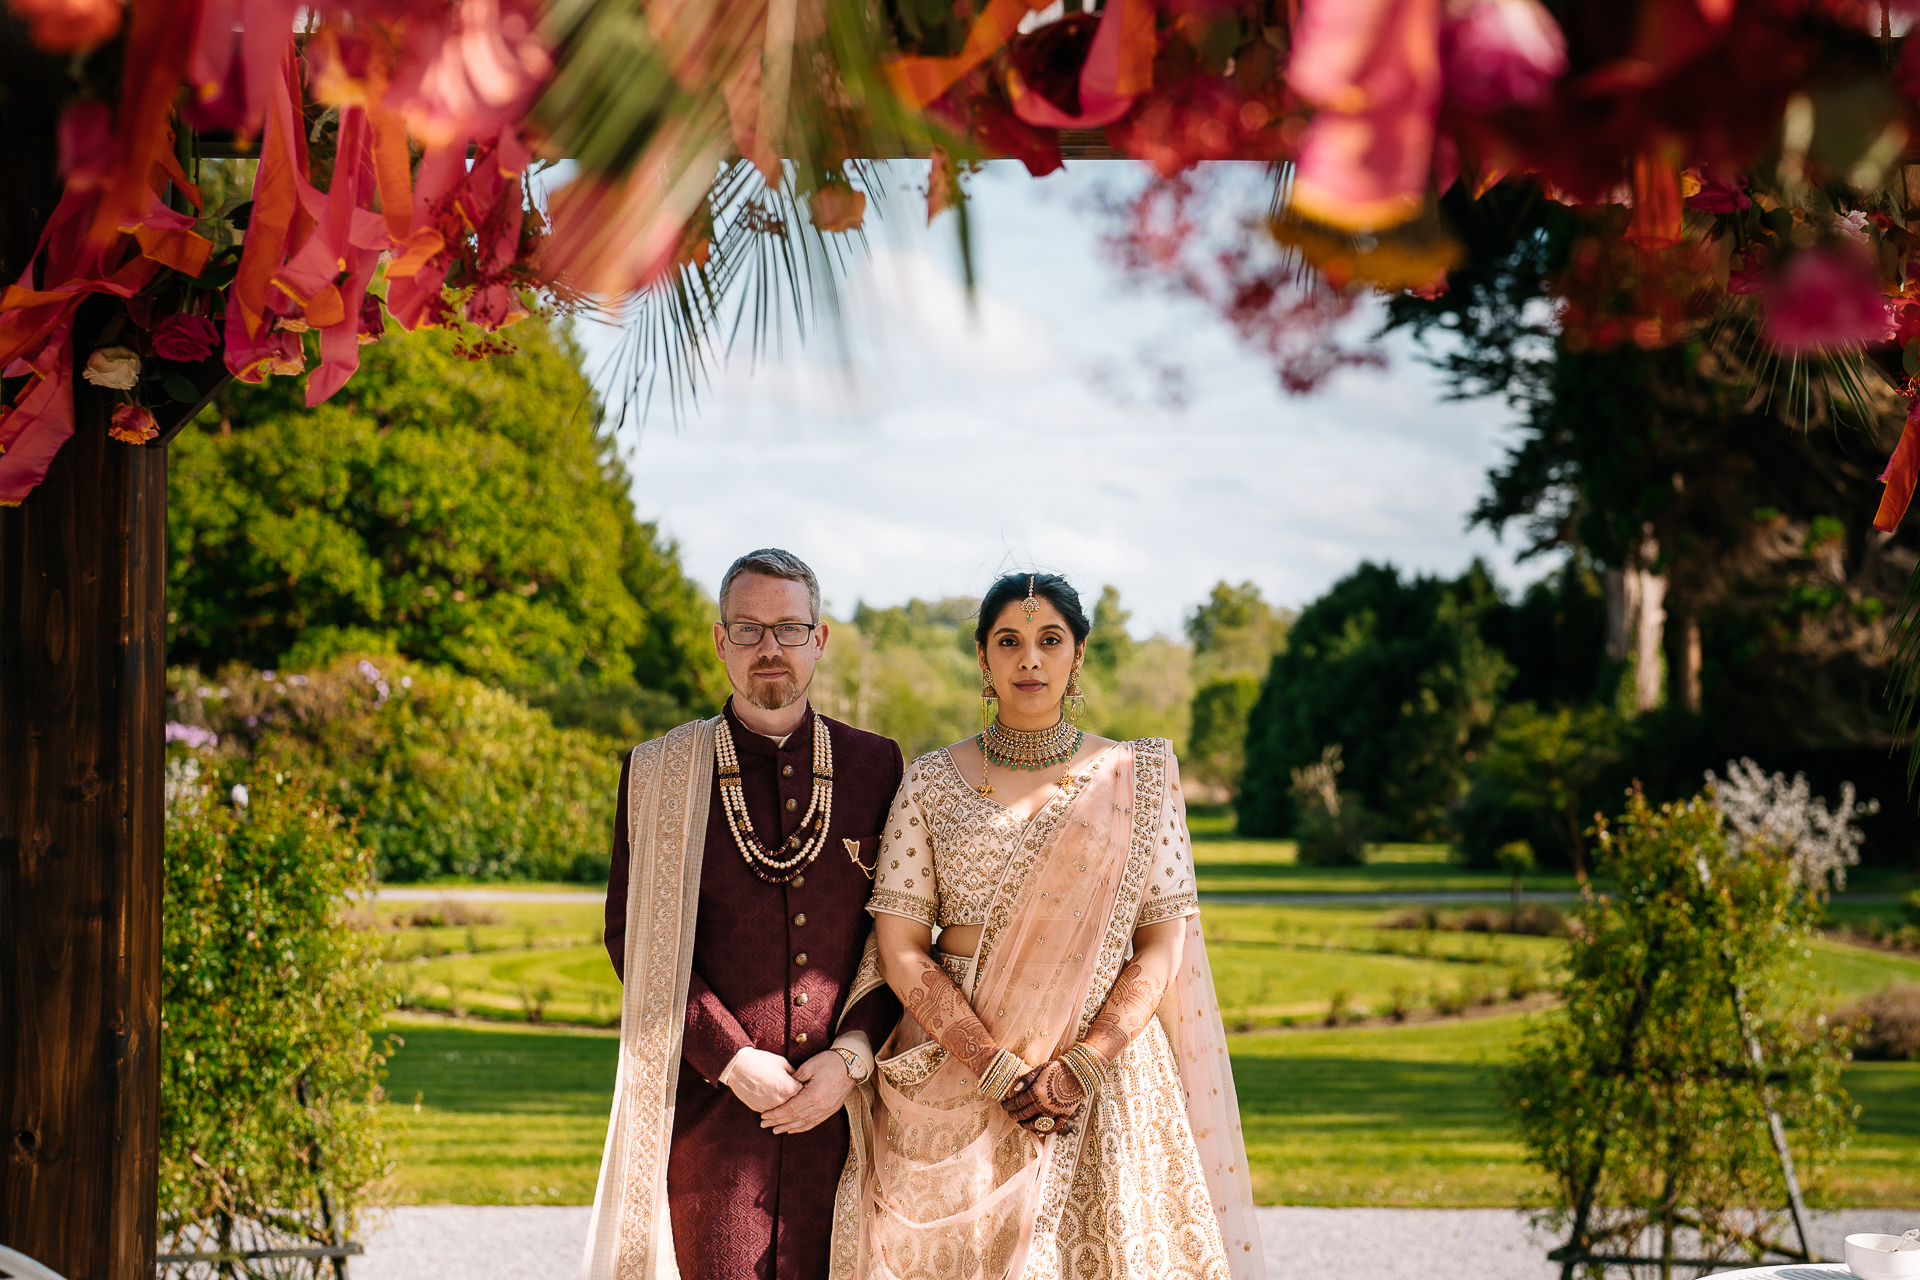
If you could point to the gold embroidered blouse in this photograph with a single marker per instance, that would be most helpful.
(945, 846)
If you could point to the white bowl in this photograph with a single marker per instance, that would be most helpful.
(1873, 1257)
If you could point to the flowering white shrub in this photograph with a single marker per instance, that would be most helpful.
(183, 790)
(1788, 816)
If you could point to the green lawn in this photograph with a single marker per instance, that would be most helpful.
(497, 1115)
(1226, 864)
(1373, 1116)
(1273, 965)
(1388, 1115)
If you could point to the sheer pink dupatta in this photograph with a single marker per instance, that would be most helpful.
(956, 1183)
(1190, 1015)
(960, 1191)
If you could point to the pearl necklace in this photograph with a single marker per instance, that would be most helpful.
(1018, 749)
(762, 861)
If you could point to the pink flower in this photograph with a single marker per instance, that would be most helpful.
(1904, 314)
(373, 325)
(186, 338)
(1749, 274)
(1500, 53)
(133, 425)
(1369, 69)
(68, 26)
(191, 734)
(286, 353)
(1853, 226)
(1720, 195)
(1823, 298)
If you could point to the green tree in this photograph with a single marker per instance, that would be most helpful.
(472, 514)
(1109, 644)
(1217, 741)
(911, 672)
(1539, 776)
(1236, 632)
(1234, 635)
(1746, 487)
(1394, 670)
(907, 672)
(1688, 1011)
(443, 774)
(1554, 638)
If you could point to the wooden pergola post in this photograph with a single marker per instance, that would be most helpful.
(82, 700)
(82, 685)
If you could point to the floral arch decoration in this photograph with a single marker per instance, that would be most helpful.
(1729, 158)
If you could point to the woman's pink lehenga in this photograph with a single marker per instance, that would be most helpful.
(1154, 1183)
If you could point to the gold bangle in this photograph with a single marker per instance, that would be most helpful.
(1001, 1074)
(1087, 1067)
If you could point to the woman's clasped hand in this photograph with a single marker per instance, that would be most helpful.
(1048, 1093)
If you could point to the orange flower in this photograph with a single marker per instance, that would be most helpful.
(133, 425)
(837, 207)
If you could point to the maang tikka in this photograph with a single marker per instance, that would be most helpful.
(1030, 606)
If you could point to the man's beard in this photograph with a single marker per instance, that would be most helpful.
(773, 696)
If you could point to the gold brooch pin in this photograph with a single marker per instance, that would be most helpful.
(853, 854)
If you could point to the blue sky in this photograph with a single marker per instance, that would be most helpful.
(938, 446)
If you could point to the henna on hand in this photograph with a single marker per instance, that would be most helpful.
(937, 1005)
(1047, 1090)
(1130, 1006)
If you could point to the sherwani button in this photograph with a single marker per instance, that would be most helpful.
(792, 804)
(800, 959)
(801, 998)
(800, 1037)
(799, 882)
(786, 771)
(801, 919)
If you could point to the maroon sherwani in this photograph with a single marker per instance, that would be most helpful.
(772, 965)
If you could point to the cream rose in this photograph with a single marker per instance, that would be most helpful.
(115, 367)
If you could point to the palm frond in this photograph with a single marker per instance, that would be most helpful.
(1805, 383)
(769, 274)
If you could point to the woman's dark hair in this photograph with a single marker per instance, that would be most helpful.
(1012, 588)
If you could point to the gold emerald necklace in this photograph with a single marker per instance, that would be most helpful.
(1018, 749)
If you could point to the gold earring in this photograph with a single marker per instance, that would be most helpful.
(1073, 706)
(988, 696)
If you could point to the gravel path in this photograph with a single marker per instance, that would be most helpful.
(537, 1242)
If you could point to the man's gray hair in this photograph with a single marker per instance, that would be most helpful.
(772, 562)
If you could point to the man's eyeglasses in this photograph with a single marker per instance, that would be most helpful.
(791, 635)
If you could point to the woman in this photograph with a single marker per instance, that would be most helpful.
(1057, 1101)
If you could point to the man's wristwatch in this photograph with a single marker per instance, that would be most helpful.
(855, 1072)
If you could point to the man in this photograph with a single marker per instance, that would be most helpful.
(742, 860)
